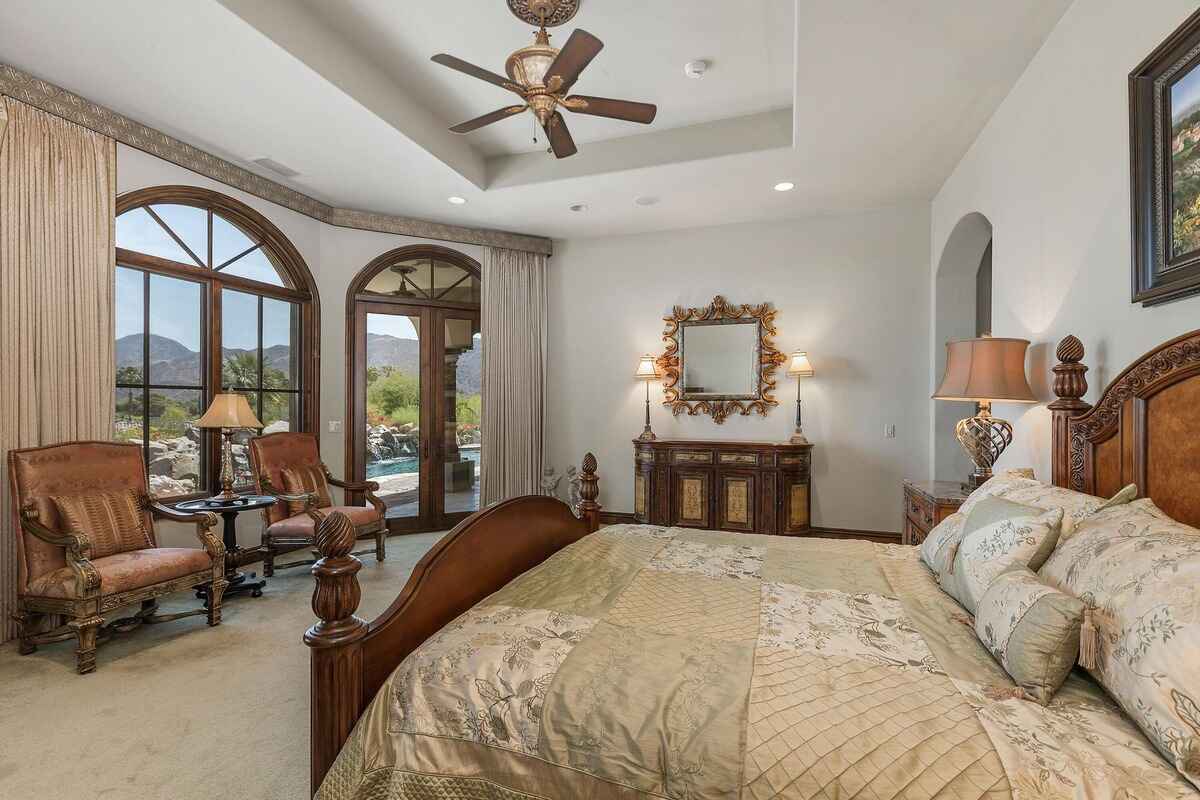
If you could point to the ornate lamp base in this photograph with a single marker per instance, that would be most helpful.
(799, 438)
(984, 437)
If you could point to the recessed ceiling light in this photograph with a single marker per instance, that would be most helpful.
(456, 200)
(578, 206)
(785, 186)
(695, 69)
(645, 200)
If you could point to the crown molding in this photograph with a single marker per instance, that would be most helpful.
(73, 108)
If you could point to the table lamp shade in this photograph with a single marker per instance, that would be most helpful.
(229, 411)
(647, 369)
(800, 366)
(986, 369)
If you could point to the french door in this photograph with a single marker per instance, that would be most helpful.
(416, 410)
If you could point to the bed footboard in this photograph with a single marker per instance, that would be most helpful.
(351, 658)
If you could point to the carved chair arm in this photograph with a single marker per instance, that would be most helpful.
(309, 499)
(368, 488)
(204, 521)
(78, 549)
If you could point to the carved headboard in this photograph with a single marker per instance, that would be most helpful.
(1144, 430)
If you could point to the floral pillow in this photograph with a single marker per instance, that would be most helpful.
(1076, 506)
(992, 549)
(1139, 571)
(939, 546)
(1000, 485)
(1032, 629)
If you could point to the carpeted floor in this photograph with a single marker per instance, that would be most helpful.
(179, 711)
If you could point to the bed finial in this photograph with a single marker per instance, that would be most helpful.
(1070, 386)
(589, 490)
(337, 593)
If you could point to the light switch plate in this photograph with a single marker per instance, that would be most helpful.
(335, 426)
(889, 431)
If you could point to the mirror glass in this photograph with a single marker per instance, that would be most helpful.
(720, 359)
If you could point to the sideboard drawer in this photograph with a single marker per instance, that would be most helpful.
(692, 457)
(738, 459)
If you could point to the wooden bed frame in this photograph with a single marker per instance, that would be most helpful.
(351, 658)
(1141, 431)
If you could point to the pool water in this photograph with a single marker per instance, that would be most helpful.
(410, 465)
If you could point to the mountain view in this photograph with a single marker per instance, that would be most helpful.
(405, 355)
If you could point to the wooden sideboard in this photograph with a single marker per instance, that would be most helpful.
(752, 487)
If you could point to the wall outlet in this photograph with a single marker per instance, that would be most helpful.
(335, 426)
(889, 431)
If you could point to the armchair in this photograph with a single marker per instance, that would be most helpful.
(86, 546)
(289, 466)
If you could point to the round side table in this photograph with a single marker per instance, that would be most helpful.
(239, 583)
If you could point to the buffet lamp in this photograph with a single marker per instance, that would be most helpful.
(799, 368)
(227, 413)
(984, 370)
(647, 371)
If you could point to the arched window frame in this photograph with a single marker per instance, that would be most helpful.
(293, 270)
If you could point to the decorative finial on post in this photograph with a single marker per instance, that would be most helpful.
(337, 593)
(1070, 386)
(589, 490)
(1069, 382)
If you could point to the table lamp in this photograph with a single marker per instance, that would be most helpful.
(228, 412)
(983, 370)
(799, 368)
(647, 371)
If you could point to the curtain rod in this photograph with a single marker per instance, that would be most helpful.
(81, 111)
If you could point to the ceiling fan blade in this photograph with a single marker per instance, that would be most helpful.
(486, 119)
(560, 138)
(468, 68)
(576, 54)
(617, 109)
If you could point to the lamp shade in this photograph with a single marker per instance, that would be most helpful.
(647, 369)
(800, 366)
(986, 369)
(229, 411)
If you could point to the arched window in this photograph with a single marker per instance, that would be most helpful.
(210, 297)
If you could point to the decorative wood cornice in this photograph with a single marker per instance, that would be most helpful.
(73, 108)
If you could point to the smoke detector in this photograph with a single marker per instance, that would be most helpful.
(695, 69)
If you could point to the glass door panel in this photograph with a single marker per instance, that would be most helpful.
(462, 378)
(393, 446)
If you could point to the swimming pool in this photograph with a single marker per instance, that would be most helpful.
(410, 465)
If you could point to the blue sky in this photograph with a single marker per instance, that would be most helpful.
(1185, 93)
(175, 304)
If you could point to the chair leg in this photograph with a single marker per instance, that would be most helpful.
(216, 591)
(27, 627)
(268, 559)
(85, 629)
(381, 545)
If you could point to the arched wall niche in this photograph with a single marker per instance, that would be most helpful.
(955, 317)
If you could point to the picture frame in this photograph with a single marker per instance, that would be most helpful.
(1164, 140)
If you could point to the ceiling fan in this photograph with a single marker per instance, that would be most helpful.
(542, 75)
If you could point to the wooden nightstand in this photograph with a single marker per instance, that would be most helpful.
(926, 503)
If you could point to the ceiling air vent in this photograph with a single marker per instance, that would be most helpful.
(279, 169)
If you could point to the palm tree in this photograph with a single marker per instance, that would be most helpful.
(241, 370)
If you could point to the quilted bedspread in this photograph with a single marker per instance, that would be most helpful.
(666, 662)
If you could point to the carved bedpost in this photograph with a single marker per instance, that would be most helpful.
(1070, 386)
(589, 490)
(336, 643)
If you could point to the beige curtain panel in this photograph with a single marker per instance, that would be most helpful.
(57, 218)
(514, 373)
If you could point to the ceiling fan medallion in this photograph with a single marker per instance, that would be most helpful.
(542, 75)
(544, 13)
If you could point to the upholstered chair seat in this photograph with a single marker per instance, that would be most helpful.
(288, 465)
(86, 546)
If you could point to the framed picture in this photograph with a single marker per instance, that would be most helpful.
(1164, 137)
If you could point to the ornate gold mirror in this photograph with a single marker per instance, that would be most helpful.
(720, 359)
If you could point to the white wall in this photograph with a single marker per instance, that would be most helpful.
(850, 289)
(334, 256)
(1051, 173)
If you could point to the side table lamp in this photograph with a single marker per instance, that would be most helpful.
(227, 413)
(983, 370)
(647, 371)
(799, 368)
